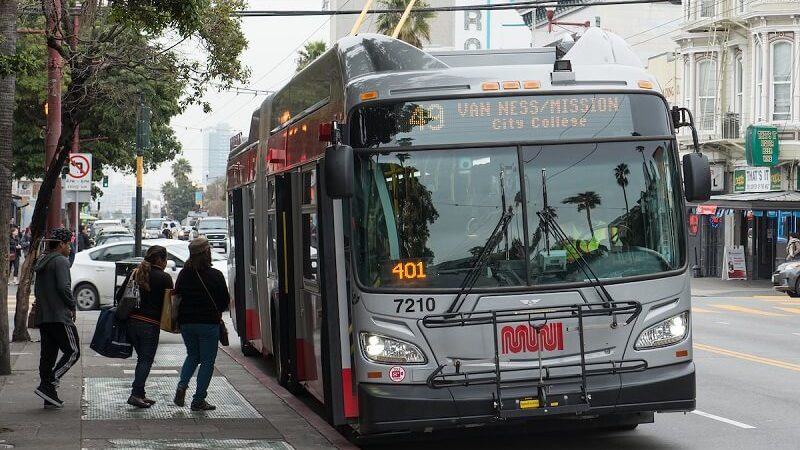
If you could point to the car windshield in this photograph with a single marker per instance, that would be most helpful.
(212, 224)
(426, 214)
(153, 224)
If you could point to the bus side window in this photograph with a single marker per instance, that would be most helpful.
(309, 226)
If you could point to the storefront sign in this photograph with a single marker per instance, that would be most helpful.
(757, 179)
(735, 266)
(761, 146)
(707, 209)
(694, 224)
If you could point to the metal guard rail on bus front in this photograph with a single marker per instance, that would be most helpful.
(537, 314)
(439, 380)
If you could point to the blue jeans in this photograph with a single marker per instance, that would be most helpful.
(201, 349)
(144, 338)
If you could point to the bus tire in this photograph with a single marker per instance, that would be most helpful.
(248, 349)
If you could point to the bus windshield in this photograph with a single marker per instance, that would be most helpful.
(426, 214)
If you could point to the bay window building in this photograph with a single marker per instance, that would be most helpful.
(741, 69)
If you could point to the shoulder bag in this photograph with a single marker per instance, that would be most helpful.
(131, 298)
(169, 312)
(223, 330)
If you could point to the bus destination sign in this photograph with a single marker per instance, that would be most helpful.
(516, 114)
(507, 118)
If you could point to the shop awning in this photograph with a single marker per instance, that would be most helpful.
(777, 200)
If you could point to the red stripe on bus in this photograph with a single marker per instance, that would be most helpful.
(252, 324)
(301, 359)
(349, 394)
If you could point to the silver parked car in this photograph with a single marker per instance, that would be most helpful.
(785, 278)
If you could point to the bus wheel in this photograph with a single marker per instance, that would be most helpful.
(248, 349)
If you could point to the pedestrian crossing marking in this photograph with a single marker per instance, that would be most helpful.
(695, 309)
(789, 310)
(742, 309)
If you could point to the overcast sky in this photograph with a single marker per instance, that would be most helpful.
(272, 49)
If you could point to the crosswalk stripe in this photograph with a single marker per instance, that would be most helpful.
(696, 309)
(789, 310)
(742, 309)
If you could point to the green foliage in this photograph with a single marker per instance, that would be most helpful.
(127, 58)
(214, 198)
(179, 193)
(311, 51)
(415, 30)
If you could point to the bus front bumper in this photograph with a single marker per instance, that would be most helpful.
(395, 408)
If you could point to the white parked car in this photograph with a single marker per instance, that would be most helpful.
(93, 270)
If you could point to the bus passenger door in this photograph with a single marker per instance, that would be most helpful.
(253, 326)
(236, 261)
(316, 301)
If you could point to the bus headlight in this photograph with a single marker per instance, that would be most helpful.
(383, 349)
(667, 332)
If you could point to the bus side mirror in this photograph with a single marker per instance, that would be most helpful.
(339, 171)
(696, 177)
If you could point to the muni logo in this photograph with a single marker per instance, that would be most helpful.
(522, 338)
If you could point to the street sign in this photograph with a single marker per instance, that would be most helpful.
(757, 179)
(761, 146)
(79, 177)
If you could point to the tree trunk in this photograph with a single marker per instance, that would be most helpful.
(38, 224)
(70, 109)
(8, 43)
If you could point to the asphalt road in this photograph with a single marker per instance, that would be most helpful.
(747, 353)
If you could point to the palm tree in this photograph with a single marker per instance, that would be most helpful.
(586, 201)
(311, 51)
(416, 28)
(181, 168)
(621, 173)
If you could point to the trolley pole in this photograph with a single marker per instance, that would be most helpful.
(142, 141)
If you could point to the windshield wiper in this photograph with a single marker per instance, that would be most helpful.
(480, 259)
(552, 225)
(547, 216)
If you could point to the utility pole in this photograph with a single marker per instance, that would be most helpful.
(142, 142)
(53, 116)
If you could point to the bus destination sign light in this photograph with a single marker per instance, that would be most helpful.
(761, 146)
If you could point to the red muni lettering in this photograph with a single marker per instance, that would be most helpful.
(522, 338)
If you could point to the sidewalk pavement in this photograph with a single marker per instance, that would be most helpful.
(715, 287)
(250, 414)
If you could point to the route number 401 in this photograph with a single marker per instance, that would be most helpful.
(411, 305)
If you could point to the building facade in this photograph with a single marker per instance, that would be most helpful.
(741, 79)
(215, 153)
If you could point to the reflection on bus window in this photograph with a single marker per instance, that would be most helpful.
(432, 212)
(427, 214)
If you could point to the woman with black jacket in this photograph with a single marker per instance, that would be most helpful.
(144, 320)
(204, 295)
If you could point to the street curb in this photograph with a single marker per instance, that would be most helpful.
(293, 402)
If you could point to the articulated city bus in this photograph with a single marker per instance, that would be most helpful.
(425, 241)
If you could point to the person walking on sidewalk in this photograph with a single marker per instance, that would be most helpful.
(204, 296)
(793, 247)
(14, 254)
(55, 317)
(144, 320)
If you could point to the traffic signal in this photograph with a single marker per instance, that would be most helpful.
(105, 181)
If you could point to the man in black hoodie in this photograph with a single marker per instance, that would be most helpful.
(55, 317)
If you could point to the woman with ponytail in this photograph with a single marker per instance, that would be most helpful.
(144, 320)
